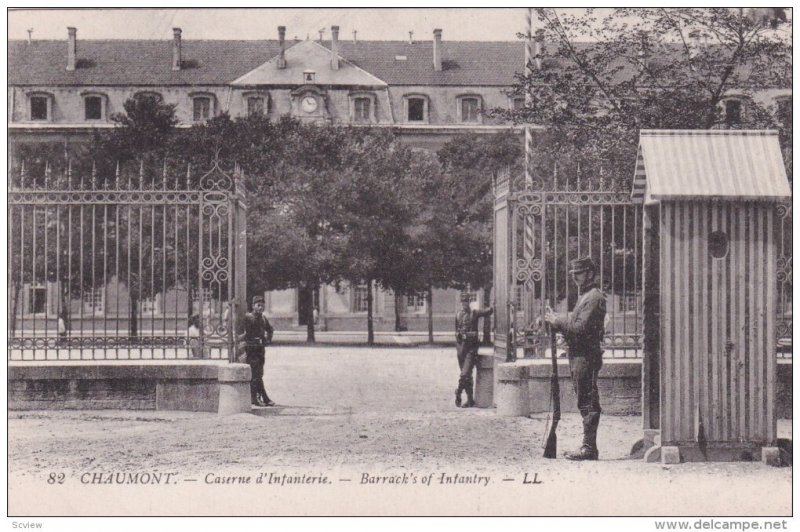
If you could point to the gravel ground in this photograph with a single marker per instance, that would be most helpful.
(359, 415)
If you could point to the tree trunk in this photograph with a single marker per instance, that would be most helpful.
(309, 294)
(397, 298)
(370, 329)
(487, 321)
(133, 319)
(429, 308)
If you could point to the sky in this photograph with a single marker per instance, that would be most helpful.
(479, 24)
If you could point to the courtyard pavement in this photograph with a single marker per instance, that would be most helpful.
(379, 425)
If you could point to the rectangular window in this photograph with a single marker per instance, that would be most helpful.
(38, 107)
(733, 112)
(255, 105)
(469, 109)
(149, 306)
(361, 110)
(202, 109)
(627, 303)
(94, 108)
(38, 300)
(360, 298)
(416, 109)
(519, 103)
(93, 301)
(415, 303)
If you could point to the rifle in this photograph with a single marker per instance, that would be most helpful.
(555, 396)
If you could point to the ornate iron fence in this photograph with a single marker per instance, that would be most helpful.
(130, 263)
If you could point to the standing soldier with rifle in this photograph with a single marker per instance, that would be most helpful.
(257, 334)
(583, 329)
(467, 346)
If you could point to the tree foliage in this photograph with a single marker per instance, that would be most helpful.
(606, 75)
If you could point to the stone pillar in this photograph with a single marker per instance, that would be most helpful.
(511, 394)
(484, 381)
(234, 389)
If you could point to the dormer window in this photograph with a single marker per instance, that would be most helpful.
(202, 107)
(733, 112)
(416, 108)
(94, 106)
(255, 105)
(362, 108)
(469, 109)
(40, 107)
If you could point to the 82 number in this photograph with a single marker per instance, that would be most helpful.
(56, 478)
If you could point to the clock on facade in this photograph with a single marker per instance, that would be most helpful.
(309, 104)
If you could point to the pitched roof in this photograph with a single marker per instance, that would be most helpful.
(219, 62)
(710, 164)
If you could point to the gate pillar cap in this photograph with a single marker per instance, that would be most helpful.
(234, 373)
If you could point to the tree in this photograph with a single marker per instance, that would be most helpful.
(147, 126)
(604, 77)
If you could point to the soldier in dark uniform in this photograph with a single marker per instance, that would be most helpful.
(467, 345)
(583, 329)
(257, 334)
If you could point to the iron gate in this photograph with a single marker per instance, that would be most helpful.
(131, 263)
(549, 228)
(538, 232)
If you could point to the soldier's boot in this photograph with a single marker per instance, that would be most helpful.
(470, 401)
(264, 397)
(588, 450)
(458, 393)
(254, 394)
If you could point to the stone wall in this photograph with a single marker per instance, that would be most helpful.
(187, 386)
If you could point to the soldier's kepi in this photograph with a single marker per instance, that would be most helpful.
(583, 329)
(467, 347)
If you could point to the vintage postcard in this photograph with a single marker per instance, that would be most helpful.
(401, 262)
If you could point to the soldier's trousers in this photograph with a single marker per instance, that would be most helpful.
(584, 371)
(255, 358)
(467, 358)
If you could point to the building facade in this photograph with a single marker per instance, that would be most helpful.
(428, 92)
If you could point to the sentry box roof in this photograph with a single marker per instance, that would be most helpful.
(709, 164)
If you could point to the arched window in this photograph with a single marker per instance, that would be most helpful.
(416, 108)
(203, 106)
(362, 107)
(94, 106)
(469, 108)
(256, 102)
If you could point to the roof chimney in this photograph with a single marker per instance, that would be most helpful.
(282, 41)
(176, 48)
(538, 48)
(72, 50)
(335, 47)
(437, 50)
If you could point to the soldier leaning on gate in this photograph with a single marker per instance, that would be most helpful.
(257, 334)
(467, 346)
(583, 329)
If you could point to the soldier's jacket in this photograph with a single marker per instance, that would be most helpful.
(467, 323)
(583, 328)
(257, 330)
